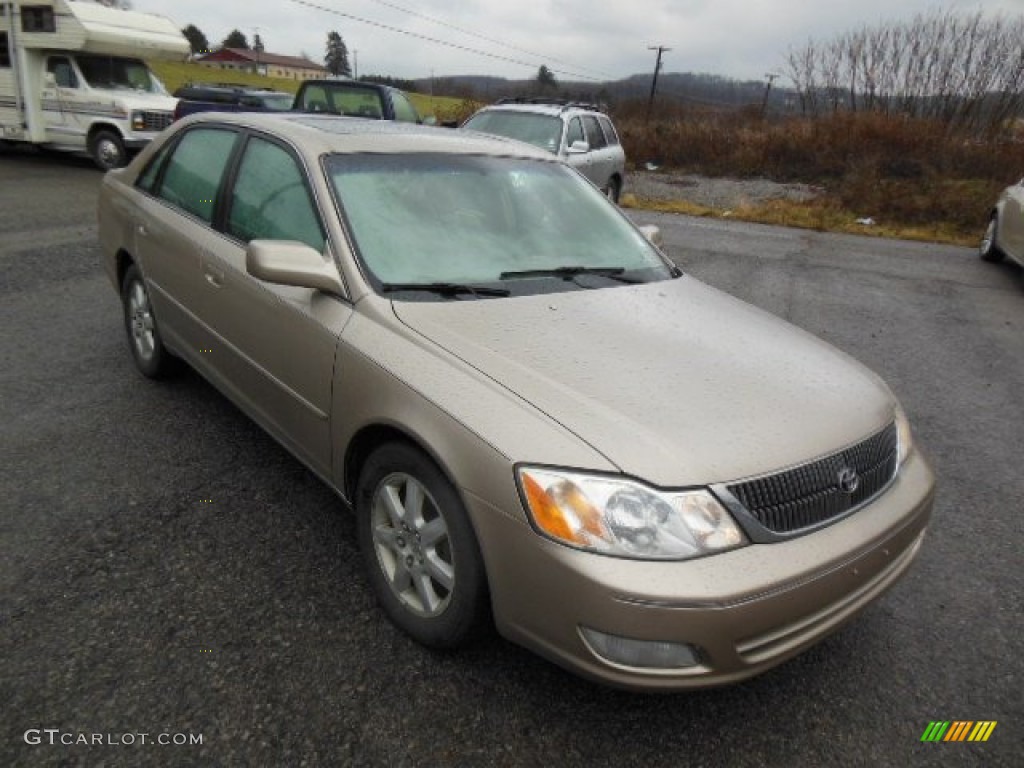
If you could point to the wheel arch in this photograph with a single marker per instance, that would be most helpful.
(122, 261)
(101, 126)
(370, 437)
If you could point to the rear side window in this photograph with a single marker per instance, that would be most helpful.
(195, 170)
(609, 129)
(404, 110)
(5, 51)
(270, 199)
(343, 100)
(575, 132)
(595, 137)
(147, 179)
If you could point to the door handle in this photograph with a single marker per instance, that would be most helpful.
(143, 231)
(214, 278)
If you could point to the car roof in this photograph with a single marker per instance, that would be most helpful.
(555, 109)
(320, 134)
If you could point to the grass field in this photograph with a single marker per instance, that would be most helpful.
(175, 74)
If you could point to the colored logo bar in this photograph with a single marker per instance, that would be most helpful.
(958, 730)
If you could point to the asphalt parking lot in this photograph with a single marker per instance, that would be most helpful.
(167, 569)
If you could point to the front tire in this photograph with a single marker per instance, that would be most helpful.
(420, 551)
(987, 249)
(148, 351)
(107, 150)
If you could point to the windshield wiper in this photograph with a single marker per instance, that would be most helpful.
(569, 272)
(445, 289)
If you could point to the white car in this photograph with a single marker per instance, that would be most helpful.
(580, 134)
(1004, 235)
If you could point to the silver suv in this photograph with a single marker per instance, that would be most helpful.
(580, 134)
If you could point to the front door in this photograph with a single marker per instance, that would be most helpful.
(59, 96)
(275, 345)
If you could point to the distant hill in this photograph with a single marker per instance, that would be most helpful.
(678, 87)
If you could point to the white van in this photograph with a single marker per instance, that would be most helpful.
(73, 77)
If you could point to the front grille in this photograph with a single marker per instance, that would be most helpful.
(156, 121)
(811, 494)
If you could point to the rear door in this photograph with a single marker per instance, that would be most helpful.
(602, 164)
(174, 226)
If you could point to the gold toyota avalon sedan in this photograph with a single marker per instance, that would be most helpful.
(537, 419)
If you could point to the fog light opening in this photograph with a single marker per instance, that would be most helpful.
(640, 654)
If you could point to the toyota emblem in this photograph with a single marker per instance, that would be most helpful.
(848, 479)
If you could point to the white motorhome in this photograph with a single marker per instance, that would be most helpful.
(73, 77)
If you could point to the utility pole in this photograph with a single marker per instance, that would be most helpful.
(772, 77)
(355, 63)
(654, 81)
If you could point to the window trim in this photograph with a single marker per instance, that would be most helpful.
(223, 209)
(172, 147)
(44, 19)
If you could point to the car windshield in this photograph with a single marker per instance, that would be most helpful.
(528, 226)
(544, 131)
(117, 72)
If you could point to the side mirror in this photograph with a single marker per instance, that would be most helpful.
(50, 80)
(429, 120)
(578, 147)
(652, 233)
(288, 262)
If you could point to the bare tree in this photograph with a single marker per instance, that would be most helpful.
(965, 70)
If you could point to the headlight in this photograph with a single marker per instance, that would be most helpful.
(138, 121)
(904, 441)
(625, 518)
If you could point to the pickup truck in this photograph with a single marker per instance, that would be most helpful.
(352, 98)
(355, 99)
(229, 98)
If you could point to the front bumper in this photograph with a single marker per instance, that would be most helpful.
(745, 611)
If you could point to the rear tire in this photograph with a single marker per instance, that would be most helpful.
(148, 351)
(613, 189)
(107, 150)
(988, 250)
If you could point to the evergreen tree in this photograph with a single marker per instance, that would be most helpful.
(546, 78)
(336, 59)
(235, 39)
(196, 39)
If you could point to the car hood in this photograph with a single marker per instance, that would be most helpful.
(674, 382)
(132, 99)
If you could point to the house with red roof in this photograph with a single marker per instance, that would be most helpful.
(269, 64)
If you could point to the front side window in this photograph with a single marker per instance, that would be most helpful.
(195, 170)
(62, 72)
(270, 199)
(425, 218)
(544, 131)
(117, 73)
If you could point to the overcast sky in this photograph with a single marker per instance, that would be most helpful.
(607, 39)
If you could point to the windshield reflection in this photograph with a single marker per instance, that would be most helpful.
(472, 220)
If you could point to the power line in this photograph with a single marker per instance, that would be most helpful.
(471, 33)
(445, 43)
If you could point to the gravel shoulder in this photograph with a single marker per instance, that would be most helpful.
(722, 193)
